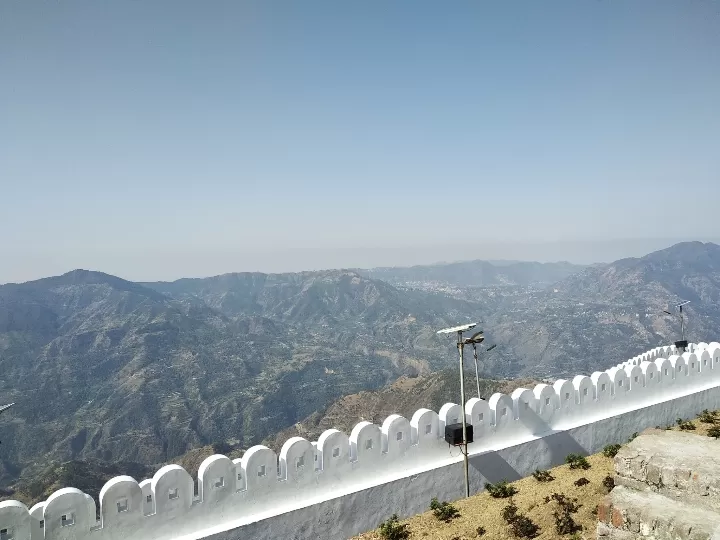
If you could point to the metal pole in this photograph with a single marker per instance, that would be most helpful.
(477, 373)
(682, 325)
(464, 423)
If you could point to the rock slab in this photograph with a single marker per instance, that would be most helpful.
(628, 514)
(667, 488)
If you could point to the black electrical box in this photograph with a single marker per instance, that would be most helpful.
(681, 345)
(453, 434)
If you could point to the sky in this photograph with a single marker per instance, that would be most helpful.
(161, 139)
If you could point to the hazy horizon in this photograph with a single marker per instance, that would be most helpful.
(161, 139)
(585, 253)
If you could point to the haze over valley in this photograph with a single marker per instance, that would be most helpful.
(110, 371)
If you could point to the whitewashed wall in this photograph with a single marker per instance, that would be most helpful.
(340, 485)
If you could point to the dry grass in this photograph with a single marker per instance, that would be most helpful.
(483, 510)
(701, 428)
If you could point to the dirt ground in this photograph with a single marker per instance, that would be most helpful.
(483, 510)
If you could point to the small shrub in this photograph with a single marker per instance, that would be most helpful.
(576, 461)
(611, 450)
(480, 531)
(714, 432)
(546, 499)
(564, 521)
(392, 529)
(707, 417)
(687, 426)
(524, 527)
(633, 436)
(582, 482)
(566, 503)
(444, 511)
(543, 476)
(521, 525)
(501, 490)
(679, 421)
(509, 512)
(608, 483)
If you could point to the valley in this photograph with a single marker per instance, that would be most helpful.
(105, 371)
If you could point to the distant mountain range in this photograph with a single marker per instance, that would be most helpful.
(477, 273)
(103, 368)
(106, 370)
(606, 313)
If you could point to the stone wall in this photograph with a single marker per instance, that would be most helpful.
(342, 485)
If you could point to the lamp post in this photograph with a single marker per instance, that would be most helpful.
(461, 345)
(475, 356)
(682, 344)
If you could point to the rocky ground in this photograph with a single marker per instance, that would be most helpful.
(667, 488)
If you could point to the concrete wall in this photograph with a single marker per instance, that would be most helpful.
(341, 485)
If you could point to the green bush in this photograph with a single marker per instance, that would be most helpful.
(566, 503)
(707, 417)
(543, 476)
(611, 450)
(480, 531)
(524, 527)
(582, 482)
(509, 512)
(687, 426)
(564, 521)
(501, 490)
(608, 483)
(444, 511)
(521, 525)
(576, 461)
(633, 436)
(392, 529)
(714, 432)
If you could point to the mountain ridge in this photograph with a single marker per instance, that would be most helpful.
(145, 372)
(477, 273)
(176, 372)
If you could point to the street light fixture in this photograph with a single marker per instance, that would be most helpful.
(475, 357)
(461, 345)
(475, 340)
(682, 344)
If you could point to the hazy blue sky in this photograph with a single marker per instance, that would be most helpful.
(158, 139)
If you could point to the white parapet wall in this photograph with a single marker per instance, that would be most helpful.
(342, 485)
